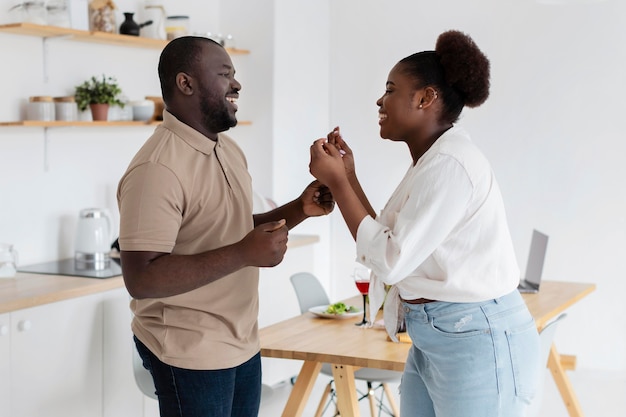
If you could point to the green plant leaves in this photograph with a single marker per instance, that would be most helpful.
(103, 90)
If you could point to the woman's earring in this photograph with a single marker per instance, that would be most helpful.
(420, 106)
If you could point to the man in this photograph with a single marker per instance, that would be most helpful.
(191, 246)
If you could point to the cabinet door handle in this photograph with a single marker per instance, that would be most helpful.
(24, 325)
(4, 330)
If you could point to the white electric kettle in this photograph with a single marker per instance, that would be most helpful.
(8, 260)
(93, 239)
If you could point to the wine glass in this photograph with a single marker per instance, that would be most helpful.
(362, 281)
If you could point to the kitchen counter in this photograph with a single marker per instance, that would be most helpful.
(28, 290)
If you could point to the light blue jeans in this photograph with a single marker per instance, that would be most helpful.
(470, 359)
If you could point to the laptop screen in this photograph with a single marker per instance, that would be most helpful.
(536, 257)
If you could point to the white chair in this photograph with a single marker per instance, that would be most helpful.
(145, 383)
(310, 293)
(143, 378)
(546, 337)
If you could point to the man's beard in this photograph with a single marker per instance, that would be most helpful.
(216, 115)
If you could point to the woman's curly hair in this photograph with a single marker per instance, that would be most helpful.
(457, 69)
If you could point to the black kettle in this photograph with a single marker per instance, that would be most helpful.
(130, 27)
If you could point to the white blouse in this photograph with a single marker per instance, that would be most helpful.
(443, 234)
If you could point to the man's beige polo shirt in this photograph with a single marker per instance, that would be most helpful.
(185, 194)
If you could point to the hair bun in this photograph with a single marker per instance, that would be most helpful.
(465, 67)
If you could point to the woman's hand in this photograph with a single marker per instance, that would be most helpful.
(326, 163)
(335, 138)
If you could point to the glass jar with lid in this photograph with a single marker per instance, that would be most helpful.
(58, 13)
(176, 26)
(31, 12)
(102, 16)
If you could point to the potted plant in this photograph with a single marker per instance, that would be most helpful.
(98, 94)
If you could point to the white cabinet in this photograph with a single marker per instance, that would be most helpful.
(122, 398)
(277, 302)
(73, 358)
(5, 364)
(55, 355)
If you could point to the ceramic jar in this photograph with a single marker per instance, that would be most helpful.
(40, 108)
(143, 110)
(65, 108)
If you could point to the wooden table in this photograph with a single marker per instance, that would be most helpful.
(347, 347)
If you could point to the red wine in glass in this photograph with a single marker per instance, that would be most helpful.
(363, 286)
(362, 281)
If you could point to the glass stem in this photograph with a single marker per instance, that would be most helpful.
(364, 309)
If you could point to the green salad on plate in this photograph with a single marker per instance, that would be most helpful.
(340, 308)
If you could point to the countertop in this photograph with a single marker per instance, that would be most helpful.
(29, 290)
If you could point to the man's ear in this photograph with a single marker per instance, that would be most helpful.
(184, 83)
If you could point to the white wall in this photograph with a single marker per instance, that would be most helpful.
(548, 128)
(301, 108)
(50, 174)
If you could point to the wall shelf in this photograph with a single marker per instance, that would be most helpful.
(56, 32)
(38, 123)
(30, 29)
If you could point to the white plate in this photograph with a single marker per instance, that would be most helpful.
(321, 312)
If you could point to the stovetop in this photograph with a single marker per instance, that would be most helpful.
(68, 267)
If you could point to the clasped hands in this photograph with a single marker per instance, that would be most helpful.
(331, 159)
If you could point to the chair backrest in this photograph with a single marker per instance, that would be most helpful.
(142, 376)
(309, 291)
(546, 337)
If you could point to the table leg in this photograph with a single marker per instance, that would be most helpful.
(345, 385)
(302, 389)
(563, 383)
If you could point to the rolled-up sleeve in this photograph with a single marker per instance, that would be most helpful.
(425, 208)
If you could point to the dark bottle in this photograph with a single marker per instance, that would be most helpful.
(129, 26)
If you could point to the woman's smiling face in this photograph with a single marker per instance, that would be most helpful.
(398, 106)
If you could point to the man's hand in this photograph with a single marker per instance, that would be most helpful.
(266, 244)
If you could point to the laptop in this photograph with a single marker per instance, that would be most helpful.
(531, 282)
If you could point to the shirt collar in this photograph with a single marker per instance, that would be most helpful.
(189, 135)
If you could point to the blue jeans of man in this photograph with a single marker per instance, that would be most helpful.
(232, 392)
(470, 359)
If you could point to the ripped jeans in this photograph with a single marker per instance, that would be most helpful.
(470, 359)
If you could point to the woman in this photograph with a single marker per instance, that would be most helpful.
(442, 243)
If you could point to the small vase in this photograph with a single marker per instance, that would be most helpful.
(99, 112)
(129, 26)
